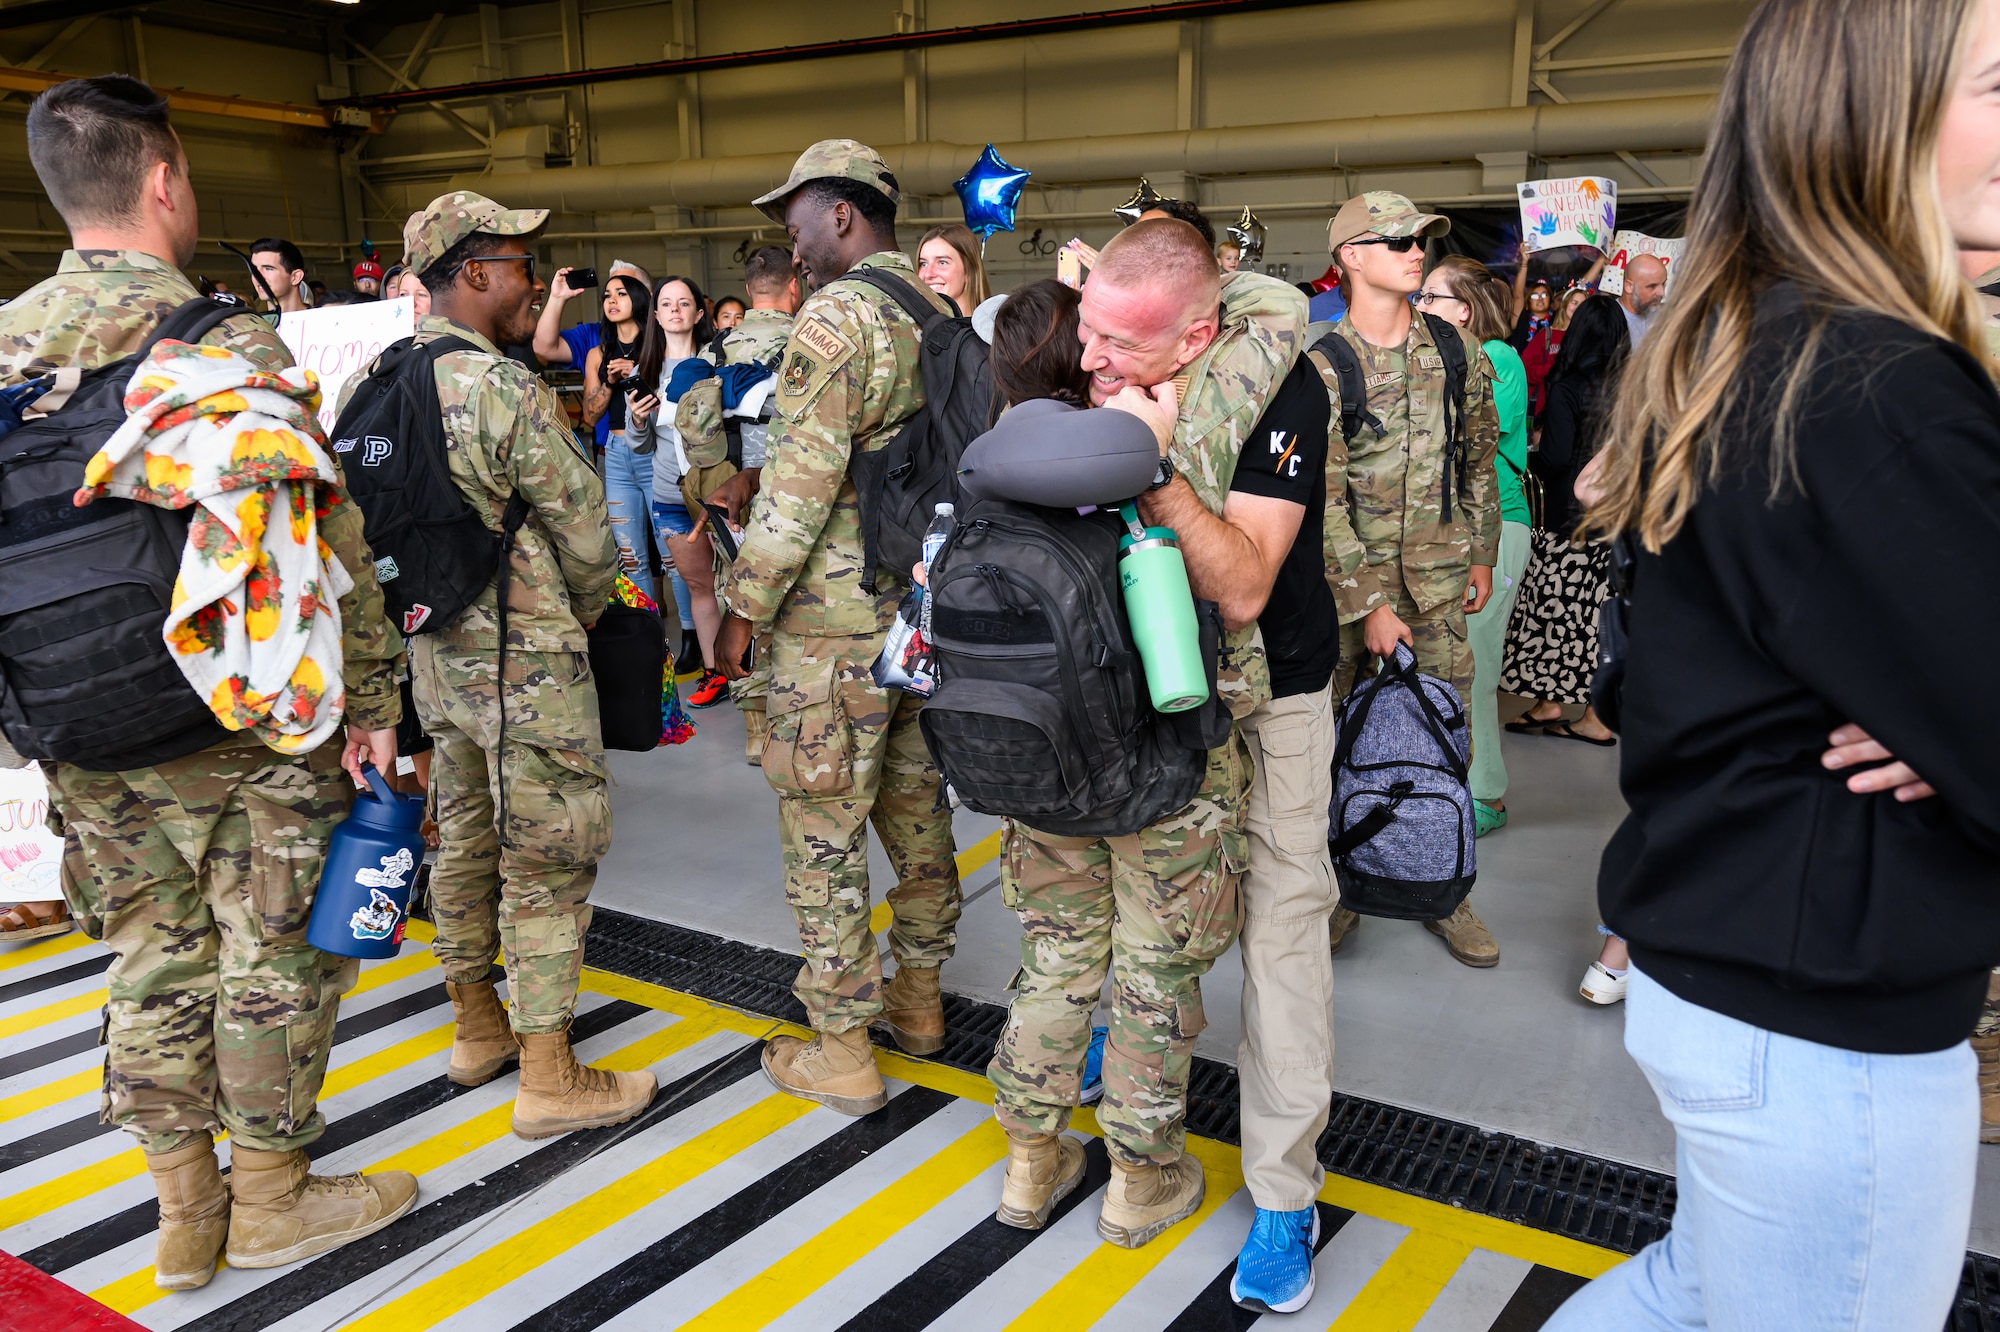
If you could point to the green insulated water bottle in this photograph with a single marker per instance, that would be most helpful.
(1160, 609)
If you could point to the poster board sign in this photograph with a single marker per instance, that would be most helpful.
(336, 342)
(1575, 210)
(1630, 244)
(30, 856)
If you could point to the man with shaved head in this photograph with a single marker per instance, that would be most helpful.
(1645, 288)
(1206, 361)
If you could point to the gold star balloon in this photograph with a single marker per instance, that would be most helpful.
(1143, 198)
(1248, 232)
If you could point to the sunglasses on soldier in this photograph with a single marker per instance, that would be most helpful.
(1395, 244)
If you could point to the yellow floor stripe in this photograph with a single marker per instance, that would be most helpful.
(41, 1098)
(47, 1013)
(1108, 1273)
(1396, 1297)
(65, 1189)
(477, 1277)
(972, 858)
(45, 948)
(421, 1046)
(785, 1283)
(388, 973)
(1480, 1232)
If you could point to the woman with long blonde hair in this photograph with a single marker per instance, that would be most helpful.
(1804, 469)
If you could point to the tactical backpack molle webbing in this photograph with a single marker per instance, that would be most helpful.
(1401, 824)
(85, 673)
(902, 483)
(1042, 711)
(1331, 351)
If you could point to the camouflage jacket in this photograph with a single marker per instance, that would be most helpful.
(505, 432)
(101, 305)
(1222, 393)
(848, 378)
(698, 421)
(1393, 488)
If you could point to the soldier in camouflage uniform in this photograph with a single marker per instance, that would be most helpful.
(199, 873)
(1399, 568)
(773, 288)
(522, 885)
(841, 752)
(1985, 280)
(1155, 908)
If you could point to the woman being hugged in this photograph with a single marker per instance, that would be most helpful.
(1806, 456)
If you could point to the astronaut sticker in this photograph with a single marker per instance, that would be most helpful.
(381, 917)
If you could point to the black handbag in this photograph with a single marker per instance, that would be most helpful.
(628, 658)
(1614, 643)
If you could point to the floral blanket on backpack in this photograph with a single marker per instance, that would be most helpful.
(254, 623)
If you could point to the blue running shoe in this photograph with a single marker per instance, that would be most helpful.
(1274, 1273)
(1093, 1066)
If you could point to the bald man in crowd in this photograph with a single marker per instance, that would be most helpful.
(1645, 288)
(1199, 359)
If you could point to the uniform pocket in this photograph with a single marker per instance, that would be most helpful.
(1212, 914)
(808, 750)
(809, 888)
(1296, 790)
(545, 936)
(308, 1041)
(558, 811)
(285, 861)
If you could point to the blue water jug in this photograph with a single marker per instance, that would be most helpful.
(371, 863)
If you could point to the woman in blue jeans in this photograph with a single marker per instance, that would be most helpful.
(608, 374)
(1806, 456)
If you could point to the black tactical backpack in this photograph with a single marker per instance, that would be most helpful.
(1322, 343)
(85, 674)
(1042, 713)
(902, 483)
(434, 554)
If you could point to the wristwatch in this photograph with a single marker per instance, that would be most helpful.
(1164, 475)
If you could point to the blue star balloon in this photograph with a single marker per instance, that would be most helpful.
(989, 193)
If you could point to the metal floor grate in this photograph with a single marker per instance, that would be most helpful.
(1587, 1198)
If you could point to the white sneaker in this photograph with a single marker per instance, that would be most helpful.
(1600, 986)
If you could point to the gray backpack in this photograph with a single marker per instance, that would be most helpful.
(1402, 827)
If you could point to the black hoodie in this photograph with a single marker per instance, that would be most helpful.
(1747, 878)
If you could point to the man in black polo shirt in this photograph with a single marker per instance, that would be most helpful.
(1286, 1058)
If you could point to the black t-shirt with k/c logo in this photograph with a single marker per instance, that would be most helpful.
(1284, 458)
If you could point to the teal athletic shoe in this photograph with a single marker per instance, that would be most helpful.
(1274, 1273)
(1093, 1066)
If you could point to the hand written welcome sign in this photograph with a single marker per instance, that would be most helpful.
(335, 343)
(1629, 245)
(1577, 210)
(30, 856)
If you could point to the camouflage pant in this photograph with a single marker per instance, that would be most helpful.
(528, 899)
(1438, 634)
(1155, 909)
(1989, 1012)
(842, 754)
(201, 875)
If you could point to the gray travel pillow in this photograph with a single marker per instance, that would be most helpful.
(1050, 453)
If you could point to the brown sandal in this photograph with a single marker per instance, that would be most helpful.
(23, 921)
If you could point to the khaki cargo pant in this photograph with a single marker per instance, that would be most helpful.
(530, 899)
(842, 754)
(1155, 909)
(1285, 1059)
(201, 874)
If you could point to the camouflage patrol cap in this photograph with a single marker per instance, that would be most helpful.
(1381, 213)
(831, 159)
(450, 218)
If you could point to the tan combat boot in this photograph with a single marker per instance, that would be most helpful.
(1466, 937)
(558, 1094)
(1344, 922)
(835, 1068)
(1144, 1200)
(1041, 1172)
(913, 1010)
(1988, 1050)
(756, 728)
(194, 1215)
(282, 1213)
(482, 1044)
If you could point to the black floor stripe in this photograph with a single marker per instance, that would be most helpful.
(434, 1220)
(104, 1235)
(955, 1271)
(631, 1281)
(1536, 1300)
(49, 980)
(61, 1048)
(1214, 1311)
